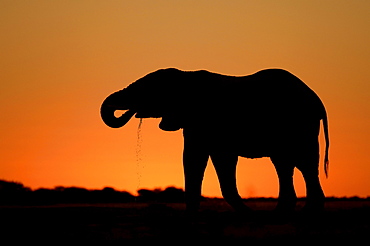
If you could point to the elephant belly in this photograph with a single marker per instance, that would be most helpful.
(254, 149)
(254, 153)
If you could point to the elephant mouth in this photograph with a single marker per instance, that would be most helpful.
(119, 112)
(167, 123)
(147, 114)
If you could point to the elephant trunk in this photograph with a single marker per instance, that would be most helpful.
(107, 110)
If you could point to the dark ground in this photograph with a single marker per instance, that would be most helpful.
(106, 224)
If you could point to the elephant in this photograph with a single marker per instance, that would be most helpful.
(270, 113)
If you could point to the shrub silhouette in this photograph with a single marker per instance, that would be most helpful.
(16, 193)
(170, 194)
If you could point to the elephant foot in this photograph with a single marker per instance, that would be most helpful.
(283, 212)
(241, 208)
(191, 216)
(313, 207)
(245, 214)
(285, 206)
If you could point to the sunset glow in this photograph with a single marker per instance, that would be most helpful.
(60, 59)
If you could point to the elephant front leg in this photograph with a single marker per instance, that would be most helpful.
(195, 161)
(225, 165)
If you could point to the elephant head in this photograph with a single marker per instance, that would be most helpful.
(148, 97)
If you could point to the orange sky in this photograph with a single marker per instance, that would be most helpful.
(60, 59)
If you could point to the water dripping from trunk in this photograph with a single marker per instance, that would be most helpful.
(139, 165)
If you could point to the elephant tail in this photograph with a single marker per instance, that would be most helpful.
(326, 133)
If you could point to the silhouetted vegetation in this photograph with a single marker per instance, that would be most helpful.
(15, 193)
(170, 194)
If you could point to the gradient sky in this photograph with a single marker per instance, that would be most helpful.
(60, 59)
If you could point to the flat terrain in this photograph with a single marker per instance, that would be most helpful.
(166, 222)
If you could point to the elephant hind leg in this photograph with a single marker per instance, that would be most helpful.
(315, 195)
(287, 197)
(308, 164)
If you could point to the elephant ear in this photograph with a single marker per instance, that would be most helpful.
(170, 123)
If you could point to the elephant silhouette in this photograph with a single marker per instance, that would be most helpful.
(270, 113)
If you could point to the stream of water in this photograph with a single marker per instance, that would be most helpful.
(139, 165)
